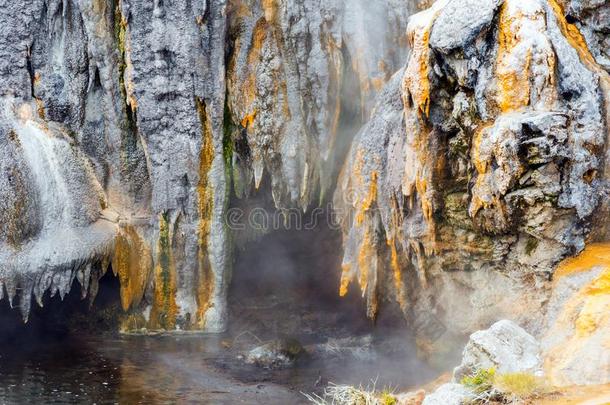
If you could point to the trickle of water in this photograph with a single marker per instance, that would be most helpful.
(43, 154)
(68, 199)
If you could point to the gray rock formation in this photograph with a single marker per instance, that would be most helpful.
(592, 17)
(300, 76)
(448, 394)
(127, 124)
(129, 91)
(276, 354)
(482, 166)
(505, 347)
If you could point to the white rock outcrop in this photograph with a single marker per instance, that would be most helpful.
(505, 346)
(448, 394)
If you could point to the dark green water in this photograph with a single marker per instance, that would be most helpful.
(171, 369)
(279, 289)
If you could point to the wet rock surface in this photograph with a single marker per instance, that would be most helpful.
(170, 110)
(593, 19)
(465, 158)
(61, 356)
(463, 148)
(481, 168)
(276, 354)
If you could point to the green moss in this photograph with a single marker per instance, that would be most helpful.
(164, 253)
(459, 145)
(164, 311)
(531, 245)
(456, 210)
(481, 381)
(503, 388)
(518, 385)
(132, 322)
(133, 165)
(386, 398)
(119, 36)
(229, 128)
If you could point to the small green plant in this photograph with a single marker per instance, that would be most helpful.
(518, 385)
(387, 398)
(481, 381)
(488, 386)
(531, 245)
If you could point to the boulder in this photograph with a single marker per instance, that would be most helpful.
(448, 394)
(505, 346)
(279, 353)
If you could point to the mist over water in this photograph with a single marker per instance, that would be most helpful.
(284, 286)
(285, 283)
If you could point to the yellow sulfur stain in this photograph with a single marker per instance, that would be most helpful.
(513, 82)
(364, 259)
(513, 65)
(248, 88)
(397, 272)
(205, 275)
(377, 83)
(397, 275)
(421, 185)
(248, 120)
(132, 262)
(40, 108)
(586, 312)
(577, 41)
(126, 66)
(416, 78)
(596, 295)
(346, 279)
(420, 171)
(418, 68)
(596, 254)
(164, 308)
(370, 200)
(479, 163)
(270, 9)
(243, 84)
(367, 271)
(575, 38)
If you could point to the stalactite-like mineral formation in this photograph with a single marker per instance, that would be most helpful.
(112, 138)
(482, 166)
(465, 151)
(126, 125)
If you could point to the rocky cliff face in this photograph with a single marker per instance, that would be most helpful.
(483, 164)
(127, 99)
(128, 126)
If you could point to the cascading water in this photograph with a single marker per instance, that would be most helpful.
(70, 237)
(42, 152)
